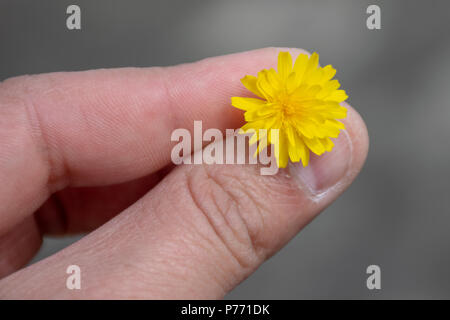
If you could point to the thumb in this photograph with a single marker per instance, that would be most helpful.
(202, 230)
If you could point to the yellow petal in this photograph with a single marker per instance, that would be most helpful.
(284, 156)
(284, 64)
(254, 138)
(336, 124)
(328, 73)
(247, 103)
(312, 65)
(250, 83)
(304, 153)
(272, 123)
(274, 79)
(265, 86)
(328, 88)
(295, 148)
(314, 145)
(291, 84)
(294, 153)
(304, 129)
(314, 77)
(312, 91)
(336, 111)
(260, 113)
(263, 142)
(300, 66)
(290, 135)
(331, 130)
(299, 93)
(338, 96)
(327, 143)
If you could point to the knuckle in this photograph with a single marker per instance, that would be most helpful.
(232, 212)
(20, 97)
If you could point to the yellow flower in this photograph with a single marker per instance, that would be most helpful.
(302, 101)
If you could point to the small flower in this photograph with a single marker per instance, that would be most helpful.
(301, 101)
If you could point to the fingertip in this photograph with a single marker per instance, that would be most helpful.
(357, 130)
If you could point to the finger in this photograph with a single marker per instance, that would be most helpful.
(201, 231)
(70, 211)
(106, 126)
(18, 246)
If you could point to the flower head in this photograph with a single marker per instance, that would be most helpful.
(301, 101)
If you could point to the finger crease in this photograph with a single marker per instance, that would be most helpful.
(56, 179)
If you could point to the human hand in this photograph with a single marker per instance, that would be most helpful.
(90, 151)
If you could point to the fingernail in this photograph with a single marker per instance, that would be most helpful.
(325, 171)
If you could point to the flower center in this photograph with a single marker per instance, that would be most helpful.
(286, 106)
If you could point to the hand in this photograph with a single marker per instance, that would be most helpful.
(78, 148)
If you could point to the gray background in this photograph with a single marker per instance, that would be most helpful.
(395, 215)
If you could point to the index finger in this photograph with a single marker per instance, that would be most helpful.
(108, 126)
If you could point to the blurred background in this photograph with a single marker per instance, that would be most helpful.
(396, 214)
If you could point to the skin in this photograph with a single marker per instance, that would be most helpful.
(90, 152)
